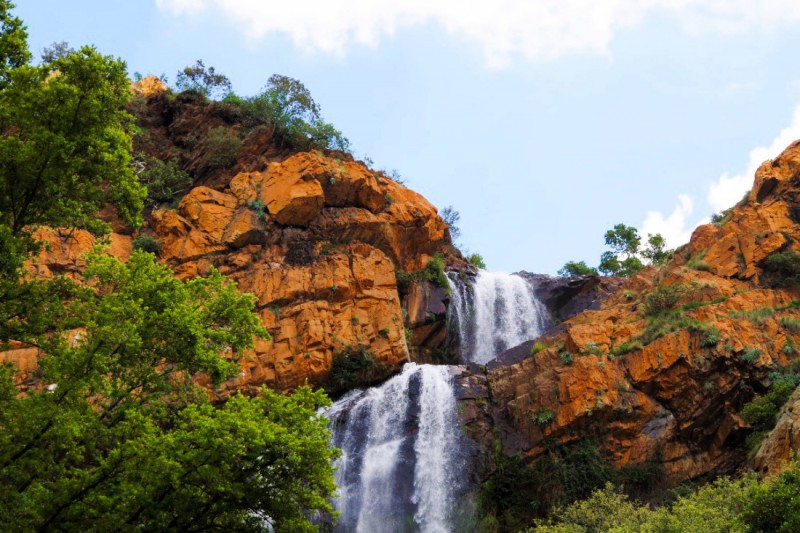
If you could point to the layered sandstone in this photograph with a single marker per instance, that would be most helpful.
(673, 394)
(317, 237)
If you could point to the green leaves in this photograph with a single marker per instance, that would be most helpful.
(121, 437)
(66, 148)
(13, 42)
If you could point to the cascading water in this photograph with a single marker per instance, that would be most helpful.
(493, 313)
(400, 468)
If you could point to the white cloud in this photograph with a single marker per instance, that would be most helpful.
(503, 29)
(729, 189)
(675, 228)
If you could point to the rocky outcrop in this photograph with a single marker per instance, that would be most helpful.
(653, 372)
(783, 441)
(317, 237)
(565, 297)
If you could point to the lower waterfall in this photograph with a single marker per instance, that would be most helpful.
(401, 467)
(493, 313)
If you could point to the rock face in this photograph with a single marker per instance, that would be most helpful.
(320, 258)
(782, 441)
(316, 237)
(652, 376)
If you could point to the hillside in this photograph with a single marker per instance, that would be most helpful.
(658, 376)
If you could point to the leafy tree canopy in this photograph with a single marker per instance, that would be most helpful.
(205, 80)
(577, 268)
(626, 255)
(13, 42)
(121, 438)
(113, 433)
(286, 104)
(66, 146)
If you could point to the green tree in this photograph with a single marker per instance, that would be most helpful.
(121, 437)
(286, 104)
(656, 250)
(13, 42)
(65, 151)
(205, 80)
(577, 268)
(114, 434)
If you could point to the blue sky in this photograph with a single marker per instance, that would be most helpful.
(543, 122)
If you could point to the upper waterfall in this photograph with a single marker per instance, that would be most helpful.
(492, 313)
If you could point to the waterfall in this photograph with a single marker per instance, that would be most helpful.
(400, 468)
(493, 313)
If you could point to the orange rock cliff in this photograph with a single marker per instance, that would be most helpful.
(661, 371)
(651, 373)
(317, 237)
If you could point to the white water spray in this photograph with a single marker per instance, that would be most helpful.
(400, 467)
(492, 314)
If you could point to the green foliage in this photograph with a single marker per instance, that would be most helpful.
(165, 181)
(433, 273)
(260, 209)
(287, 106)
(759, 315)
(782, 269)
(123, 438)
(762, 412)
(220, 148)
(625, 255)
(623, 239)
(566, 358)
(13, 42)
(611, 265)
(721, 506)
(508, 495)
(65, 151)
(477, 261)
(56, 51)
(626, 347)
(721, 218)
(569, 473)
(663, 298)
(791, 323)
(543, 418)
(352, 367)
(697, 262)
(538, 347)
(592, 349)
(577, 268)
(656, 251)
(204, 80)
(147, 243)
(751, 355)
(775, 506)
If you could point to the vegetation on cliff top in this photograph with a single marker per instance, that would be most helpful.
(626, 254)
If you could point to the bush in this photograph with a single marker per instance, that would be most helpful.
(287, 106)
(165, 181)
(477, 261)
(433, 272)
(543, 418)
(538, 347)
(663, 298)
(566, 358)
(751, 355)
(146, 243)
(220, 148)
(577, 268)
(782, 269)
(352, 368)
(204, 80)
(260, 209)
